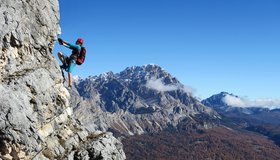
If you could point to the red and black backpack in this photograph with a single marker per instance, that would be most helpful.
(82, 56)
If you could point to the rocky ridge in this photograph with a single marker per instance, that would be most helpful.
(140, 99)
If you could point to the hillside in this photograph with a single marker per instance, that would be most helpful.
(216, 143)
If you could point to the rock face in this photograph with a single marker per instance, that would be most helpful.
(101, 146)
(138, 100)
(35, 115)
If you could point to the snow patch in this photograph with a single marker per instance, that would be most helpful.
(77, 78)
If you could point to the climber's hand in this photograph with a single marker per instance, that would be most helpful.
(60, 41)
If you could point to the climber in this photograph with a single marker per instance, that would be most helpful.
(70, 62)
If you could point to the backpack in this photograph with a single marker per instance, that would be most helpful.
(82, 56)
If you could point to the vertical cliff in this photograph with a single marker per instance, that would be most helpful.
(35, 116)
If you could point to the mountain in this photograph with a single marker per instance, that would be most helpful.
(219, 103)
(140, 99)
(36, 119)
(248, 114)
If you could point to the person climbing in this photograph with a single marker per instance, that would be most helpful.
(68, 63)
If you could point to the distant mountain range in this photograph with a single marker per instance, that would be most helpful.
(150, 107)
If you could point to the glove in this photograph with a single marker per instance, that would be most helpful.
(60, 41)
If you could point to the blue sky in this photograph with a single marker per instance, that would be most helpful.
(210, 45)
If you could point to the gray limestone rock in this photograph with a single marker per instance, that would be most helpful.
(104, 146)
(30, 80)
(36, 120)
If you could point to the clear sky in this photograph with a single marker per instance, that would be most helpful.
(210, 45)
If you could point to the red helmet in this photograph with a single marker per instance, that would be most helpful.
(80, 40)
